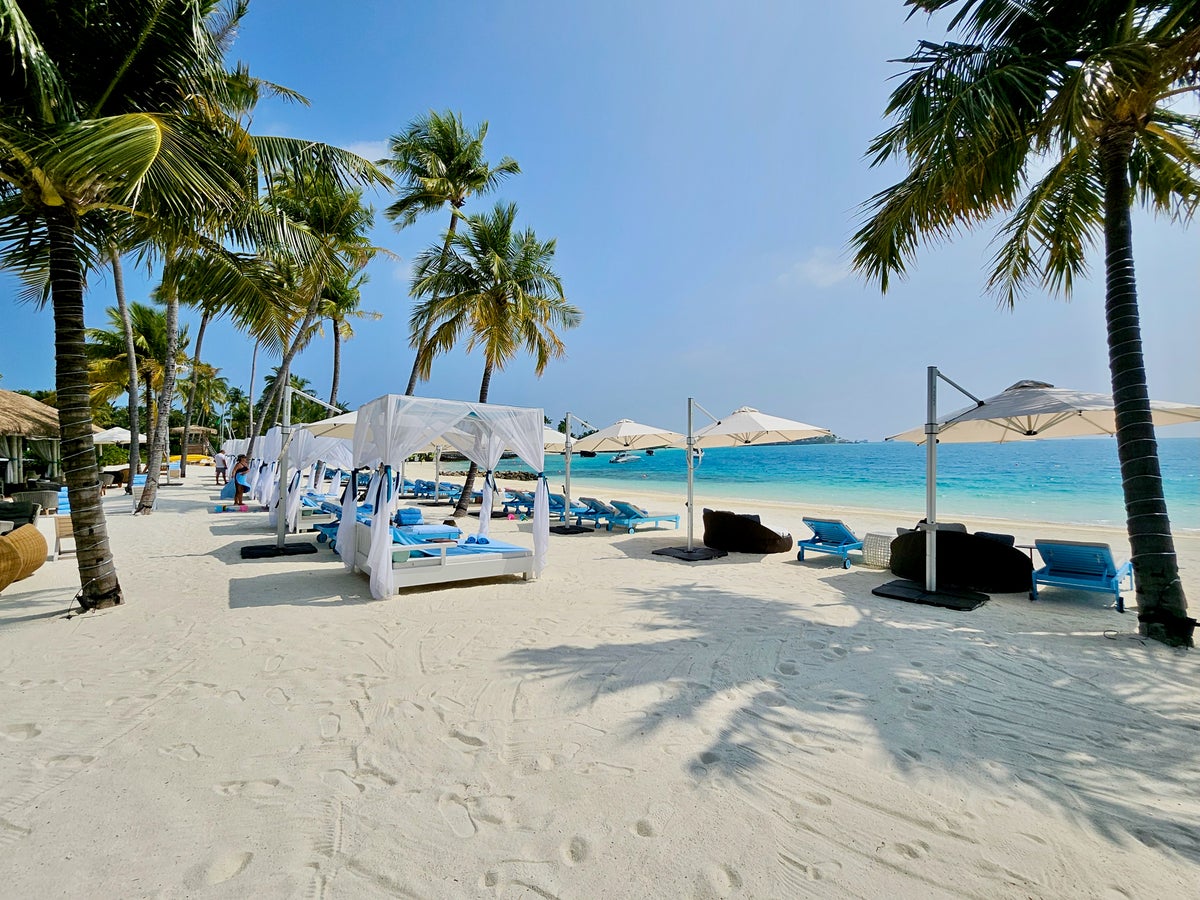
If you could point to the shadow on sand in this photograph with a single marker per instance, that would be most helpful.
(1030, 714)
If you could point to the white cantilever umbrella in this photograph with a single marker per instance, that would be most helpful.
(744, 426)
(115, 435)
(749, 426)
(1033, 409)
(625, 434)
(1026, 411)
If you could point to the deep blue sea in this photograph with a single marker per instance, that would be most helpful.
(1069, 481)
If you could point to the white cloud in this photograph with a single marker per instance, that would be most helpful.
(371, 150)
(823, 267)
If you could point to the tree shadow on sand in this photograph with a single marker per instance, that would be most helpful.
(1090, 725)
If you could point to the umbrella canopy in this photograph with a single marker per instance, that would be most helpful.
(337, 427)
(554, 441)
(626, 434)
(1030, 410)
(749, 426)
(115, 435)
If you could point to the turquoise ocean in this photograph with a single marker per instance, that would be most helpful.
(1068, 481)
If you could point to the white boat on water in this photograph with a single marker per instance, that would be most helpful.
(623, 457)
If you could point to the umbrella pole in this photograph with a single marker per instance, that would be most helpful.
(567, 468)
(286, 434)
(437, 470)
(691, 438)
(931, 431)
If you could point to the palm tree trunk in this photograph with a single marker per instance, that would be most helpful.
(250, 399)
(187, 418)
(337, 362)
(460, 508)
(1162, 606)
(161, 446)
(135, 450)
(424, 338)
(97, 570)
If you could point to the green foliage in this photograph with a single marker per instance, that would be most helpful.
(495, 288)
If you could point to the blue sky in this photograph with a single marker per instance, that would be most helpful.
(701, 165)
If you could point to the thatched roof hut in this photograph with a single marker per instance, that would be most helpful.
(25, 417)
(27, 426)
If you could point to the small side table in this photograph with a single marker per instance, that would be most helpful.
(877, 550)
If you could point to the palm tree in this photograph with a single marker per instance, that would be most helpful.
(105, 104)
(335, 217)
(496, 287)
(108, 356)
(339, 306)
(135, 452)
(439, 163)
(82, 86)
(1056, 114)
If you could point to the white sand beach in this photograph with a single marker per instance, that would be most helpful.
(625, 726)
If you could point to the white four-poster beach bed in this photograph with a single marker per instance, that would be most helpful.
(391, 428)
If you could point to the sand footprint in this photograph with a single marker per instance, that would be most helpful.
(186, 752)
(22, 732)
(228, 866)
(719, 881)
(457, 816)
(10, 831)
(643, 828)
(341, 781)
(468, 739)
(331, 724)
(277, 696)
(272, 664)
(786, 668)
(575, 851)
(263, 787)
(233, 697)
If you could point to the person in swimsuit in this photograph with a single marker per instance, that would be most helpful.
(240, 468)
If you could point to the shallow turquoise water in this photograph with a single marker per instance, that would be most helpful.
(1073, 481)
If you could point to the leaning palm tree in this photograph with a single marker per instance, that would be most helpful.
(335, 217)
(1056, 114)
(439, 163)
(495, 287)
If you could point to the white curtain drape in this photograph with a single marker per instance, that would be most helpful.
(293, 499)
(346, 536)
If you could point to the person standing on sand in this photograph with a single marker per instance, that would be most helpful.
(221, 462)
(240, 468)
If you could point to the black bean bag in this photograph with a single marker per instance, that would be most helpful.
(964, 560)
(736, 533)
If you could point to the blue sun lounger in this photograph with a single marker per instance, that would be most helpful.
(519, 502)
(1081, 565)
(558, 507)
(597, 510)
(630, 517)
(829, 536)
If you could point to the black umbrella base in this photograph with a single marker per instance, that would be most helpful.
(694, 555)
(263, 551)
(571, 529)
(950, 598)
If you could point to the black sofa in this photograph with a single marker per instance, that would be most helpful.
(736, 533)
(973, 561)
